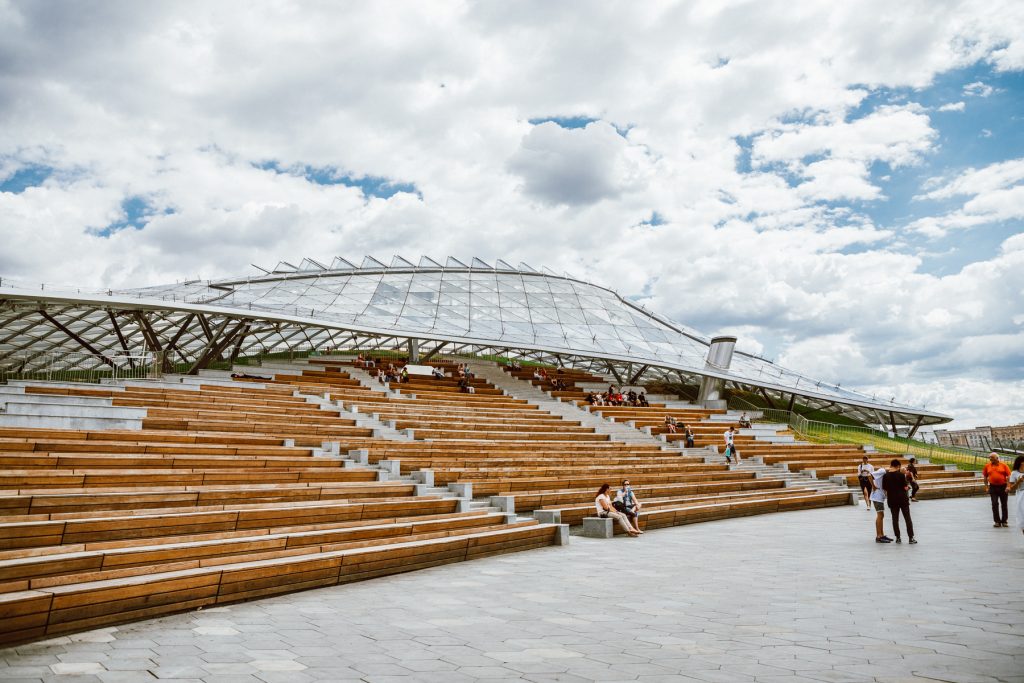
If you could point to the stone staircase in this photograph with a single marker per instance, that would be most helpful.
(528, 392)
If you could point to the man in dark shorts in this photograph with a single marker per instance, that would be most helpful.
(878, 502)
(894, 481)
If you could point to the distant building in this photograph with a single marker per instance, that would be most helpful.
(981, 438)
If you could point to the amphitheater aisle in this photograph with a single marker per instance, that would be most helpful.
(798, 596)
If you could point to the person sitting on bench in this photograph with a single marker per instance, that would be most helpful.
(604, 508)
(670, 424)
(744, 421)
(626, 502)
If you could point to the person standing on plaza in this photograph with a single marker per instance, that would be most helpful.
(997, 475)
(895, 483)
(1016, 484)
(878, 501)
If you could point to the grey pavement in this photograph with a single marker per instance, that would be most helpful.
(794, 597)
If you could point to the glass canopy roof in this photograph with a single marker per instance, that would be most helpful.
(501, 305)
(489, 309)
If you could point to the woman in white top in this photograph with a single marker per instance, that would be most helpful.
(603, 505)
(1017, 483)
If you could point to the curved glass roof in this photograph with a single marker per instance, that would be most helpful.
(494, 306)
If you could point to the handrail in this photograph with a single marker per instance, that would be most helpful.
(827, 432)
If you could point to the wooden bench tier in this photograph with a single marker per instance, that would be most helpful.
(743, 481)
(711, 511)
(44, 504)
(574, 514)
(21, 570)
(608, 473)
(88, 478)
(120, 526)
(558, 483)
(77, 606)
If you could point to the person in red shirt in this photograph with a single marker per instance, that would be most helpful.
(996, 474)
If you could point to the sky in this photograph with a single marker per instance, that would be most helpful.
(841, 185)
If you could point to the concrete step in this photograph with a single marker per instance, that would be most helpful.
(68, 422)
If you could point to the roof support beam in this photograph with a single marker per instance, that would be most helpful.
(152, 340)
(433, 352)
(238, 343)
(214, 349)
(615, 373)
(792, 402)
(81, 342)
(914, 429)
(205, 324)
(173, 344)
(638, 374)
(120, 338)
(768, 399)
(892, 421)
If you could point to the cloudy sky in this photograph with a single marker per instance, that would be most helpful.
(839, 184)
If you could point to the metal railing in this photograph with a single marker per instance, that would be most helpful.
(827, 432)
(80, 367)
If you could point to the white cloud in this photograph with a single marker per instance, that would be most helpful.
(996, 194)
(978, 89)
(176, 102)
(834, 179)
(953, 106)
(897, 135)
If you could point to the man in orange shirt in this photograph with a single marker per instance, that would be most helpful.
(996, 474)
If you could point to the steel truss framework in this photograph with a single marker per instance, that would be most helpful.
(193, 325)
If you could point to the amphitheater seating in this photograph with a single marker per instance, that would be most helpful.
(206, 505)
(505, 446)
(225, 494)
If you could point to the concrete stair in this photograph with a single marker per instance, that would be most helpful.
(42, 411)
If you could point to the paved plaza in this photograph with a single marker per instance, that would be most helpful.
(800, 596)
